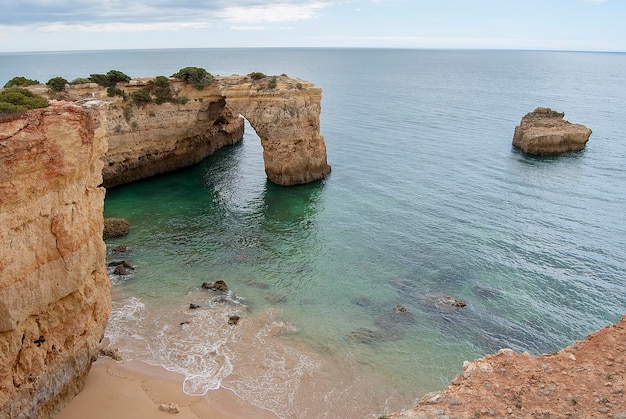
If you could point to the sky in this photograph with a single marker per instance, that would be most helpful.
(60, 25)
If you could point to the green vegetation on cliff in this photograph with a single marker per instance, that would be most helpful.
(57, 84)
(197, 76)
(20, 82)
(16, 99)
(157, 91)
(109, 79)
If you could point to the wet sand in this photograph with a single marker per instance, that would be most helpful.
(135, 390)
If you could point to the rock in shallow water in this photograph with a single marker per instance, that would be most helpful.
(218, 285)
(115, 227)
(544, 132)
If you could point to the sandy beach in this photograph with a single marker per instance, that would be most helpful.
(136, 390)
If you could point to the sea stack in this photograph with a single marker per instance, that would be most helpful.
(545, 132)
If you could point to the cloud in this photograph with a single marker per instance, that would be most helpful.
(151, 14)
(270, 13)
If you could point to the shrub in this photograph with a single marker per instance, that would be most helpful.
(141, 97)
(81, 80)
(128, 112)
(109, 79)
(197, 76)
(17, 99)
(20, 82)
(256, 75)
(114, 91)
(116, 76)
(162, 90)
(272, 83)
(57, 84)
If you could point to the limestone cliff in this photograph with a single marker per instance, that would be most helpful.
(54, 289)
(544, 132)
(150, 139)
(145, 140)
(287, 119)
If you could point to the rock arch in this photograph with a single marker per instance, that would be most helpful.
(151, 139)
(287, 120)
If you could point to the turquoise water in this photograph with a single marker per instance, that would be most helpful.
(426, 197)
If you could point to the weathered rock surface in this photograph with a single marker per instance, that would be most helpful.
(287, 119)
(115, 227)
(151, 139)
(584, 380)
(54, 289)
(544, 132)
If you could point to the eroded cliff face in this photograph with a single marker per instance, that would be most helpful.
(54, 290)
(145, 140)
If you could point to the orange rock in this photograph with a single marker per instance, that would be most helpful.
(54, 290)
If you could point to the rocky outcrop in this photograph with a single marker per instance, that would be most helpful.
(54, 289)
(544, 132)
(115, 227)
(287, 119)
(149, 139)
(584, 380)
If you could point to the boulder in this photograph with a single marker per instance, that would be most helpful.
(115, 227)
(122, 248)
(122, 267)
(218, 285)
(545, 132)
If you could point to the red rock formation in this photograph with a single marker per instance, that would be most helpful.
(584, 380)
(544, 132)
(54, 289)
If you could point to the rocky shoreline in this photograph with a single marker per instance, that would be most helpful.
(586, 379)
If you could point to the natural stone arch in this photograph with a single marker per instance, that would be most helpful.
(287, 120)
(149, 139)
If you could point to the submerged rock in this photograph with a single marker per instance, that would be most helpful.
(218, 285)
(274, 298)
(115, 227)
(364, 335)
(362, 301)
(487, 292)
(122, 248)
(401, 309)
(193, 306)
(445, 302)
(233, 320)
(544, 132)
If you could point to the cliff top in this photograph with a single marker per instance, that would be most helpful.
(584, 380)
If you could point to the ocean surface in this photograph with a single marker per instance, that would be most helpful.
(427, 197)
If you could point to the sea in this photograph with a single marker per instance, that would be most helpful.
(339, 283)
